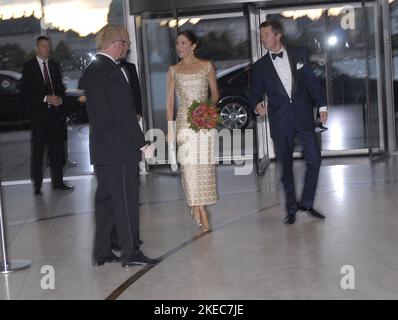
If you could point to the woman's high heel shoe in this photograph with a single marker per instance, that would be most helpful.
(196, 220)
(205, 229)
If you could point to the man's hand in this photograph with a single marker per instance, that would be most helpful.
(261, 108)
(149, 150)
(82, 99)
(54, 100)
(323, 117)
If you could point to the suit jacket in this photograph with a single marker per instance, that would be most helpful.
(134, 84)
(34, 90)
(115, 135)
(286, 114)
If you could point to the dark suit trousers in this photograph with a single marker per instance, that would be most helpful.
(116, 202)
(50, 134)
(284, 153)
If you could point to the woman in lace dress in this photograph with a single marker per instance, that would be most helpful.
(190, 80)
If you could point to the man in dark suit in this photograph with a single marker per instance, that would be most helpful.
(286, 78)
(130, 71)
(116, 143)
(43, 91)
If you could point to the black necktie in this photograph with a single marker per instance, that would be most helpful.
(47, 79)
(274, 55)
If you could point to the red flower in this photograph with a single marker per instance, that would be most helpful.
(202, 115)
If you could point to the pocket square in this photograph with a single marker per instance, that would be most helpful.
(299, 65)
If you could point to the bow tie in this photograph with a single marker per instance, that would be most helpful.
(274, 55)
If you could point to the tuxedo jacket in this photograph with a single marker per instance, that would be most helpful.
(34, 90)
(288, 113)
(115, 135)
(134, 84)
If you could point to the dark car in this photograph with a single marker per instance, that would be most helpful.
(348, 88)
(13, 111)
(234, 102)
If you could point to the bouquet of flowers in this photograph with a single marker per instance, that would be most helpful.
(203, 115)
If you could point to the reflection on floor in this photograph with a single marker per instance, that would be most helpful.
(249, 254)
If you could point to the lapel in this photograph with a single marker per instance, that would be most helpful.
(127, 71)
(274, 75)
(114, 65)
(39, 74)
(293, 69)
(51, 70)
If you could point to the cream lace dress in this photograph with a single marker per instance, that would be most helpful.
(196, 150)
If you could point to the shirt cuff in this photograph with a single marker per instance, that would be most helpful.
(323, 109)
(45, 99)
(143, 147)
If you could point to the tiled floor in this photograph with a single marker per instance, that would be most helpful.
(249, 254)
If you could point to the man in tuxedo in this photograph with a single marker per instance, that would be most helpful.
(116, 143)
(130, 71)
(290, 85)
(43, 91)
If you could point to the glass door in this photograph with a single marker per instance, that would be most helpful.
(262, 135)
(156, 34)
(344, 46)
(223, 39)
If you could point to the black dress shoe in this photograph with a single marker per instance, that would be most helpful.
(111, 258)
(313, 212)
(140, 260)
(289, 219)
(38, 192)
(71, 163)
(63, 186)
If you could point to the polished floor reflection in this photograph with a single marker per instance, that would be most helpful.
(249, 254)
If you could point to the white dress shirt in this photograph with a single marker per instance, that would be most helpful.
(40, 61)
(282, 67)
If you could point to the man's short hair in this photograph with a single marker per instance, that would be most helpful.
(107, 35)
(41, 38)
(275, 25)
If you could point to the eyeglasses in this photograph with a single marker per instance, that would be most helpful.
(124, 41)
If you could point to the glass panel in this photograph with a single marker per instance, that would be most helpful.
(222, 39)
(340, 60)
(19, 26)
(158, 38)
(71, 26)
(394, 44)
